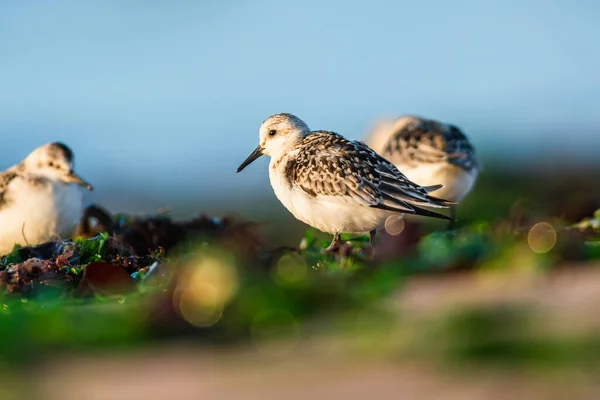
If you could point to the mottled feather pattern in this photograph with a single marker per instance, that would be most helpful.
(58, 149)
(294, 121)
(327, 164)
(429, 141)
(6, 178)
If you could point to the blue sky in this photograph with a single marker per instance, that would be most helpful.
(174, 92)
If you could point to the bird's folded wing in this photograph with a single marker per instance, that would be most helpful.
(460, 151)
(330, 166)
(428, 141)
(6, 178)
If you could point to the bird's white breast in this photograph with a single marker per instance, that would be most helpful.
(38, 212)
(281, 186)
(329, 214)
(457, 181)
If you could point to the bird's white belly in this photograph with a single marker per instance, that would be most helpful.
(457, 182)
(329, 214)
(38, 213)
(70, 208)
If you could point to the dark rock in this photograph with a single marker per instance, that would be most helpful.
(106, 279)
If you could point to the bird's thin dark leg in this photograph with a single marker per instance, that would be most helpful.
(452, 223)
(335, 243)
(372, 237)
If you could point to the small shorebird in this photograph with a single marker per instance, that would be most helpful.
(334, 184)
(429, 152)
(37, 200)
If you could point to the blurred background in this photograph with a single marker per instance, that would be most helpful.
(161, 101)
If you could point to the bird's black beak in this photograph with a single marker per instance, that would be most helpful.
(72, 177)
(255, 154)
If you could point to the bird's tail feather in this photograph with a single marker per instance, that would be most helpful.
(432, 188)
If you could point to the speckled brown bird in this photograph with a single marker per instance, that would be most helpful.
(334, 184)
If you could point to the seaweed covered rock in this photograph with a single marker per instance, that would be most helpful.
(146, 234)
(61, 265)
(108, 257)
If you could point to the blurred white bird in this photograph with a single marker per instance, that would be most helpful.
(37, 199)
(428, 152)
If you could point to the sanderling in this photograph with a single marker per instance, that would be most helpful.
(37, 200)
(334, 184)
(429, 152)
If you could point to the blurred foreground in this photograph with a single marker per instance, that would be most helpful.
(503, 307)
(455, 337)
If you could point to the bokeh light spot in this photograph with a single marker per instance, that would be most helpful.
(394, 225)
(542, 237)
(209, 283)
(291, 268)
(202, 308)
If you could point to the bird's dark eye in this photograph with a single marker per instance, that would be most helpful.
(51, 164)
(272, 132)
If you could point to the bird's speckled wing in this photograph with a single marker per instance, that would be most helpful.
(327, 164)
(428, 141)
(6, 178)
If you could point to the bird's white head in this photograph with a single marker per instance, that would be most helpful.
(54, 161)
(278, 134)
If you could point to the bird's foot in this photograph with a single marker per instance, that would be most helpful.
(334, 247)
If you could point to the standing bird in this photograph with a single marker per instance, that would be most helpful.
(37, 200)
(334, 184)
(429, 152)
